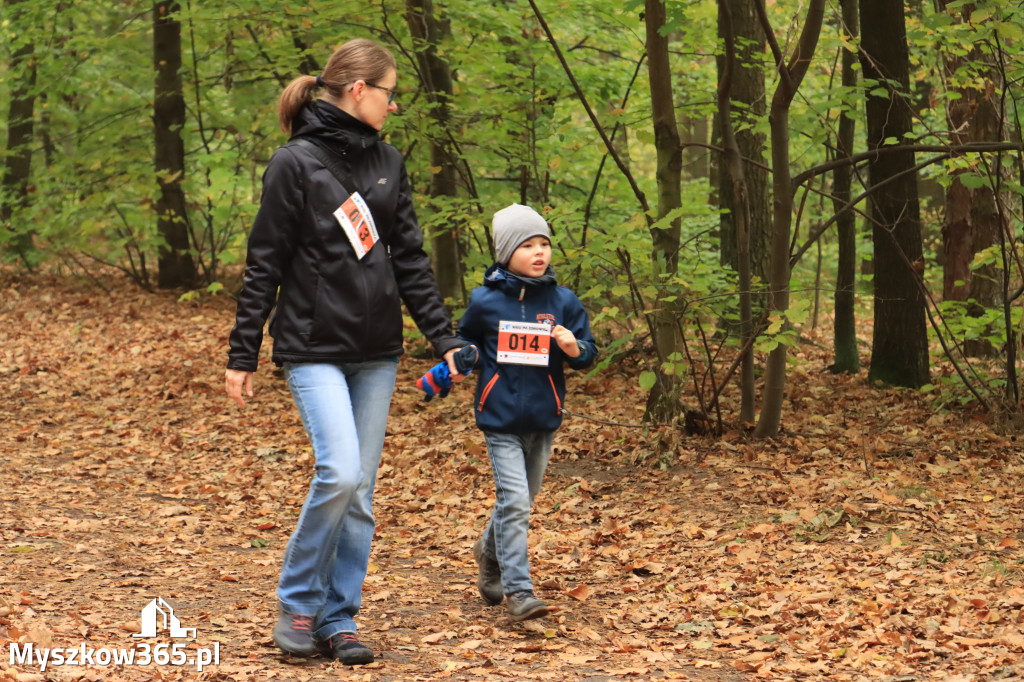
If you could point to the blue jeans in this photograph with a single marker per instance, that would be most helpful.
(345, 411)
(518, 462)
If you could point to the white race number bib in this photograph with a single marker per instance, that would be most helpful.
(357, 222)
(524, 343)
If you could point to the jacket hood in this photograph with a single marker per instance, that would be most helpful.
(500, 278)
(333, 126)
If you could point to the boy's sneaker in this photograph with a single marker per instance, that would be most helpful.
(293, 634)
(524, 606)
(345, 648)
(488, 579)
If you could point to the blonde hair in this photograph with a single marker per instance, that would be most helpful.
(357, 59)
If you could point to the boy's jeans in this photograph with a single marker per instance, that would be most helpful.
(518, 461)
(345, 411)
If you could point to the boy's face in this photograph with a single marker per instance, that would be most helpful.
(531, 258)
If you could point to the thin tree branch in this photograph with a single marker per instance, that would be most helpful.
(947, 150)
(641, 197)
(769, 34)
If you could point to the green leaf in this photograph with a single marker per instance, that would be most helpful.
(1009, 31)
(647, 380)
(972, 181)
(981, 15)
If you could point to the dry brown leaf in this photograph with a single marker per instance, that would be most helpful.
(707, 557)
(580, 592)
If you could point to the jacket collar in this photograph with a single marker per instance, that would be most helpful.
(334, 127)
(500, 278)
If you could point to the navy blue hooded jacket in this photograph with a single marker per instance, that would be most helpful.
(521, 398)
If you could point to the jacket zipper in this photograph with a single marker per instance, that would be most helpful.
(487, 391)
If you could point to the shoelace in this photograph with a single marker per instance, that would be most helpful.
(302, 622)
(348, 637)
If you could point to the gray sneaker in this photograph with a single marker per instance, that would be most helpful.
(488, 579)
(293, 633)
(524, 606)
(345, 648)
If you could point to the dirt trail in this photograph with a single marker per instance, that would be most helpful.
(127, 476)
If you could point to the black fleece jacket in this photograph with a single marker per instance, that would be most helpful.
(332, 307)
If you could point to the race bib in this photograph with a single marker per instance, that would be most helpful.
(524, 343)
(356, 220)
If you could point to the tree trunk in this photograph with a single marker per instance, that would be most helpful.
(694, 130)
(17, 166)
(176, 267)
(900, 344)
(847, 358)
(662, 402)
(790, 77)
(748, 93)
(428, 30)
(732, 162)
(973, 221)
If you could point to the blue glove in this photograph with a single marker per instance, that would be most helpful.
(438, 381)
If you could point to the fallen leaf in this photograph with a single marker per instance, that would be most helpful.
(580, 592)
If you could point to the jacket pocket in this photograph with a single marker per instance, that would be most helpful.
(558, 401)
(486, 392)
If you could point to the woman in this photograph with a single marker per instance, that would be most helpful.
(337, 327)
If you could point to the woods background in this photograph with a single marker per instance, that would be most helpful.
(753, 199)
(718, 176)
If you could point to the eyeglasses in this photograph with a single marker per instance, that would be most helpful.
(390, 91)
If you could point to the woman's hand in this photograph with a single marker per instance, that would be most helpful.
(456, 376)
(235, 381)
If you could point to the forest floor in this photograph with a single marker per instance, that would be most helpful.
(875, 538)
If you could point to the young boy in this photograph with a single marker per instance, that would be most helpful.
(526, 328)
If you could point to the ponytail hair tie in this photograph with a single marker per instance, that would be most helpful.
(319, 81)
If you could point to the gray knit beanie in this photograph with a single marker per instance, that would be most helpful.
(512, 226)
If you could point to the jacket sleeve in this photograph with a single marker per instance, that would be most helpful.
(577, 321)
(469, 327)
(415, 278)
(271, 244)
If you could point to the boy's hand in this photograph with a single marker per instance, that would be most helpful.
(566, 340)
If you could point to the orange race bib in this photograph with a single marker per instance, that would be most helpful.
(356, 220)
(524, 343)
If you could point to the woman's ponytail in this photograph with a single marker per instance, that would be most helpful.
(295, 94)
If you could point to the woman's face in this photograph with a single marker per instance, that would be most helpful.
(372, 101)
